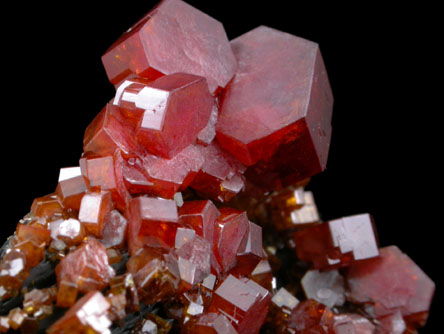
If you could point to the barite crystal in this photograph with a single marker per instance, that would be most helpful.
(353, 324)
(277, 110)
(70, 231)
(325, 287)
(4, 324)
(173, 37)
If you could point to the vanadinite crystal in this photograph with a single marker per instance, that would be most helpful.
(188, 213)
(173, 37)
(338, 242)
(87, 267)
(391, 283)
(276, 112)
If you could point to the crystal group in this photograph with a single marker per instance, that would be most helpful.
(188, 211)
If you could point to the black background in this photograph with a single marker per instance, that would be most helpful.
(382, 64)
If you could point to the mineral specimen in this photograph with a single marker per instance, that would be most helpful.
(178, 218)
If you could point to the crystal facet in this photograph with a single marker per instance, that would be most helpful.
(338, 242)
(276, 112)
(391, 283)
(87, 267)
(173, 37)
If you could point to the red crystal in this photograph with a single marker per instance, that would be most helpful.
(209, 323)
(153, 221)
(311, 317)
(277, 110)
(230, 230)
(13, 271)
(134, 176)
(201, 216)
(338, 242)
(31, 241)
(244, 302)
(103, 174)
(153, 279)
(71, 191)
(88, 315)
(263, 274)
(38, 303)
(124, 284)
(140, 199)
(47, 206)
(173, 37)
(390, 283)
(177, 107)
(94, 208)
(220, 177)
(109, 131)
(87, 267)
(38, 234)
(250, 251)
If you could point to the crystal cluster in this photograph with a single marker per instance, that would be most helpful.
(188, 211)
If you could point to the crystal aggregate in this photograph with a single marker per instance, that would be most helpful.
(188, 211)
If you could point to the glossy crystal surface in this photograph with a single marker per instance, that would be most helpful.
(278, 107)
(338, 243)
(173, 37)
(189, 212)
(391, 283)
(87, 267)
